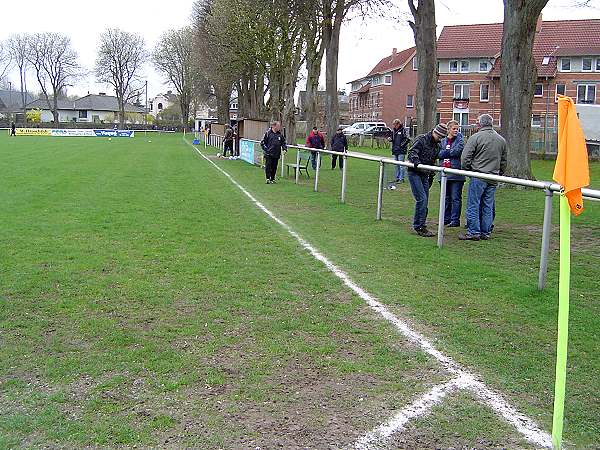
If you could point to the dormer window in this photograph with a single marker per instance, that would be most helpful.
(586, 65)
(565, 64)
(598, 65)
(453, 66)
(484, 66)
(464, 66)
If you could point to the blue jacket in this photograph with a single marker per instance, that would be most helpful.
(400, 141)
(453, 152)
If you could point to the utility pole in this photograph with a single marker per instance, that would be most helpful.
(146, 111)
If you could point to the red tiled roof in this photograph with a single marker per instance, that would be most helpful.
(556, 38)
(364, 89)
(391, 62)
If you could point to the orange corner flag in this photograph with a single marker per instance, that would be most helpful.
(572, 169)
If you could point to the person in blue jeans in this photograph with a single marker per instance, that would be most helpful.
(485, 152)
(315, 140)
(452, 148)
(424, 151)
(400, 143)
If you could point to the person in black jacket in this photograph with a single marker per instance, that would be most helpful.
(339, 143)
(400, 143)
(228, 141)
(425, 150)
(273, 143)
(13, 129)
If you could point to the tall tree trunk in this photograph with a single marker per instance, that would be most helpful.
(314, 59)
(55, 109)
(331, 38)
(517, 81)
(223, 96)
(424, 30)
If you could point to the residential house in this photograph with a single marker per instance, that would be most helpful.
(161, 102)
(567, 58)
(10, 102)
(98, 109)
(388, 91)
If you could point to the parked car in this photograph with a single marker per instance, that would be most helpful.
(378, 132)
(359, 128)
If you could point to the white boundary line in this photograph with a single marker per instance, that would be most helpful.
(524, 425)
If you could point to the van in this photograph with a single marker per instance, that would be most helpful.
(359, 128)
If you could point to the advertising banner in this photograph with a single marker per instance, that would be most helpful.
(74, 132)
(33, 132)
(247, 151)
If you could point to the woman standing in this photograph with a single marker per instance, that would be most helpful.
(452, 147)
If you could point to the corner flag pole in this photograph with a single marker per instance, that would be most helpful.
(563, 322)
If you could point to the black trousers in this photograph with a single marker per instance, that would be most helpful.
(228, 147)
(271, 167)
(334, 161)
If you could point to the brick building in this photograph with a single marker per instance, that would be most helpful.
(566, 53)
(388, 91)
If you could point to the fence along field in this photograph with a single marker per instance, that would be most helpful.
(275, 334)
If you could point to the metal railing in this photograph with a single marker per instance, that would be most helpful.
(548, 187)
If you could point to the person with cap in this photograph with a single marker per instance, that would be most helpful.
(425, 151)
(273, 143)
(339, 143)
(485, 152)
(315, 140)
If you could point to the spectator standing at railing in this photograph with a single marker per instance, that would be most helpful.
(339, 143)
(13, 129)
(452, 148)
(228, 141)
(315, 140)
(273, 143)
(425, 150)
(400, 143)
(485, 152)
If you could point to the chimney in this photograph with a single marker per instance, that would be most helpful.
(538, 26)
(394, 51)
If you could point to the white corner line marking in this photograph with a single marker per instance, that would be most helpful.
(524, 425)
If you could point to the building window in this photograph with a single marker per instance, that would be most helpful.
(439, 93)
(410, 101)
(376, 81)
(586, 93)
(464, 66)
(160, 106)
(538, 91)
(415, 63)
(388, 79)
(438, 117)
(462, 91)
(586, 65)
(484, 66)
(484, 93)
(546, 61)
(536, 120)
(83, 114)
(462, 118)
(561, 89)
(598, 65)
(453, 66)
(565, 64)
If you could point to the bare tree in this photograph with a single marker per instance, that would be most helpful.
(315, 50)
(173, 56)
(517, 81)
(424, 30)
(17, 46)
(121, 56)
(5, 60)
(55, 64)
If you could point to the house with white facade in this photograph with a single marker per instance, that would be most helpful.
(161, 102)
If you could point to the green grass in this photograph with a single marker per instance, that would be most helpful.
(145, 301)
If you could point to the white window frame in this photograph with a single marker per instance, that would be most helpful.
(546, 61)
(450, 66)
(385, 78)
(561, 64)
(412, 101)
(415, 63)
(597, 67)
(468, 66)
(481, 99)
(462, 89)
(591, 60)
(487, 65)
(587, 86)
(534, 89)
(460, 117)
(439, 92)
(556, 94)
(539, 124)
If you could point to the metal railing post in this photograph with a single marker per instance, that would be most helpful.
(297, 165)
(546, 233)
(343, 196)
(282, 162)
(443, 185)
(380, 190)
(317, 171)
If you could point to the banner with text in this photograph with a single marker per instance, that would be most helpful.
(73, 132)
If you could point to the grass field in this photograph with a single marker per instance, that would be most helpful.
(145, 301)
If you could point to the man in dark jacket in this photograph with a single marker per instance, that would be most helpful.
(273, 143)
(425, 150)
(13, 129)
(228, 141)
(315, 140)
(400, 142)
(339, 143)
(452, 148)
(485, 152)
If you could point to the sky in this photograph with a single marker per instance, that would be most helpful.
(362, 43)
